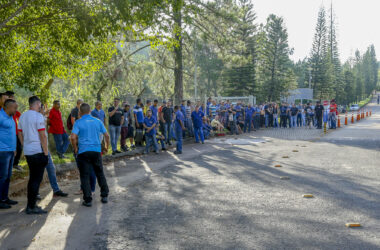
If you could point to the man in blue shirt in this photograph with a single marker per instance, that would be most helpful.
(98, 112)
(179, 127)
(283, 115)
(154, 109)
(86, 143)
(139, 119)
(256, 118)
(183, 110)
(8, 144)
(150, 124)
(248, 118)
(197, 117)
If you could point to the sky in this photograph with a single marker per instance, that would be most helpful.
(357, 23)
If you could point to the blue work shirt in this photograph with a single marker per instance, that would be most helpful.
(178, 117)
(154, 111)
(197, 118)
(99, 114)
(258, 110)
(183, 109)
(7, 132)
(283, 110)
(149, 123)
(88, 130)
(249, 113)
(139, 113)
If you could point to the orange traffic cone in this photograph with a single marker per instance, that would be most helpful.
(358, 116)
(346, 120)
(338, 121)
(366, 113)
(370, 112)
(352, 118)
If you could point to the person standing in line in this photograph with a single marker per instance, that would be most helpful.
(189, 124)
(56, 128)
(309, 116)
(86, 143)
(154, 109)
(74, 114)
(197, 117)
(167, 115)
(116, 118)
(150, 124)
(275, 115)
(183, 110)
(99, 113)
(8, 144)
(318, 114)
(16, 118)
(294, 112)
(50, 169)
(179, 127)
(124, 129)
(139, 119)
(283, 115)
(33, 137)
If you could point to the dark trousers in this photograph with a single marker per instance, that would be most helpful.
(36, 164)
(6, 160)
(283, 119)
(319, 121)
(18, 153)
(86, 162)
(123, 136)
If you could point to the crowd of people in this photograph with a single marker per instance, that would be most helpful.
(152, 126)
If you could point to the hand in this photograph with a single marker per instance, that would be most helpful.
(76, 151)
(15, 153)
(183, 128)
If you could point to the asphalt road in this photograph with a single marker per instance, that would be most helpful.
(224, 195)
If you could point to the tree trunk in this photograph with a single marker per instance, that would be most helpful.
(100, 91)
(178, 73)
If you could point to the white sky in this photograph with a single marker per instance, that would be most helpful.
(357, 22)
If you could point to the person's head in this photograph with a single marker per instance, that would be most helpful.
(333, 101)
(213, 102)
(10, 107)
(217, 117)
(35, 103)
(293, 105)
(176, 108)
(183, 102)
(56, 105)
(249, 105)
(188, 103)
(3, 98)
(126, 107)
(116, 102)
(84, 109)
(155, 103)
(10, 94)
(98, 105)
(318, 102)
(149, 113)
(197, 108)
(168, 103)
(79, 102)
(163, 103)
(148, 103)
(42, 110)
(138, 101)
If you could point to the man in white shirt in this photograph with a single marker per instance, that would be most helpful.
(34, 140)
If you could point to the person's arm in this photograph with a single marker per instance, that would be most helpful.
(183, 127)
(135, 116)
(21, 137)
(113, 111)
(122, 120)
(72, 119)
(107, 141)
(74, 142)
(43, 139)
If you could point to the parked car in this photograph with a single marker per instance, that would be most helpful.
(354, 107)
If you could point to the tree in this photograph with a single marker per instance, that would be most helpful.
(276, 74)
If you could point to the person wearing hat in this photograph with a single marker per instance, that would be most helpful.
(318, 114)
(333, 114)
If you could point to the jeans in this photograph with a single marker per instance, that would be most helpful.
(247, 124)
(233, 127)
(87, 162)
(256, 122)
(151, 140)
(275, 121)
(319, 121)
(299, 120)
(114, 134)
(189, 127)
(293, 121)
(178, 134)
(266, 120)
(18, 152)
(168, 134)
(37, 164)
(61, 143)
(6, 164)
(283, 119)
(332, 118)
(198, 132)
(50, 168)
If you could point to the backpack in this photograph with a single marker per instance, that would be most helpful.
(68, 123)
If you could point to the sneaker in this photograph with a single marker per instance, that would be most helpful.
(10, 202)
(62, 156)
(203, 142)
(60, 194)
(38, 197)
(113, 153)
(104, 200)
(18, 168)
(87, 204)
(133, 146)
(177, 152)
(118, 152)
(164, 149)
(35, 210)
(156, 152)
(169, 143)
(4, 205)
(79, 192)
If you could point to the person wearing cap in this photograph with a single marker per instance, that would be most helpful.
(154, 109)
(8, 144)
(115, 121)
(333, 114)
(318, 114)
